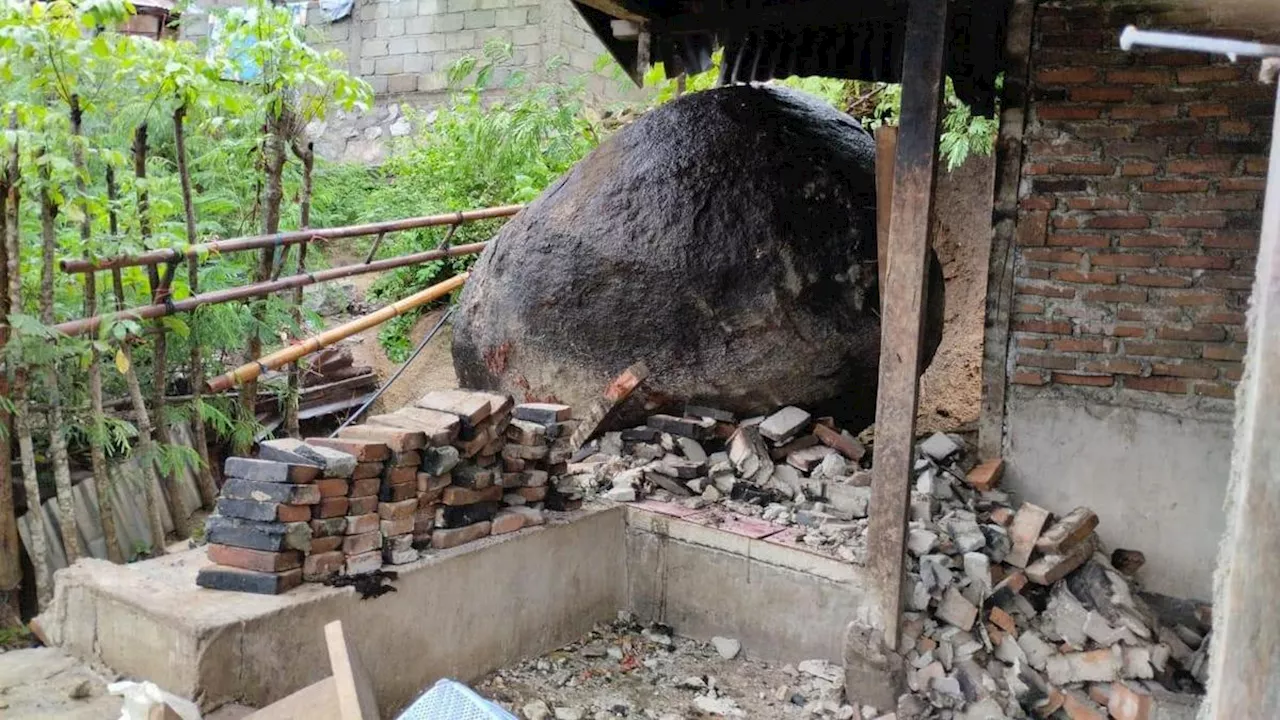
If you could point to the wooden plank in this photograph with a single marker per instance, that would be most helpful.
(886, 152)
(318, 701)
(356, 700)
(614, 8)
(1013, 116)
(1245, 653)
(902, 309)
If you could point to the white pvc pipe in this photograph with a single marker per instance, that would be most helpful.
(1233, 49)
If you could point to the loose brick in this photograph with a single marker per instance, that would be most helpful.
(1051, 568)
(506, 522)
(454, 495)
(332, 487)
(985, 477)
(442, 539)
(542, 413)
(399, 475)
(334, 463)
(404, 459)
(532, 494)
(471, 407)
(436, 428)
(218, 577)
(361, 563)
(1127, 702)
(358, 544)
(1078, 706)
(268, 471)
(398, 510)
(258, 560)
(272, 536)
(1067, 532)
(364, 451)
(842, 442)
(367, 470)
(362, 505)
(1175, 386)
(1024, 532)
(361, 524)
(286, 493)
(396, 439)
(364, 486)
(326, 544)
(396, 493)
(402, 526)
(325, 527)
(330, 507)
(471, 476)
(322, 566)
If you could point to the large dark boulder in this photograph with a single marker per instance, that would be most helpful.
(727, 239)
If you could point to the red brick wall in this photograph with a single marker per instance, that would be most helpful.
(1141, 201)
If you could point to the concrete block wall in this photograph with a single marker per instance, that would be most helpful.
(1137, 234)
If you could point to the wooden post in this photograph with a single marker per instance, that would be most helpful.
(886, 152)
(1245, 659)
(903, 303)
(1004, 220)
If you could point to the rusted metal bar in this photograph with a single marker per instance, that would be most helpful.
(903, 302)
(147, 312)
(257, 242)
(251, 370)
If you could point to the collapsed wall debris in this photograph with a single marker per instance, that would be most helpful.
(1011, 610)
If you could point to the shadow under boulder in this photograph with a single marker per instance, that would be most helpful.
(727, 239)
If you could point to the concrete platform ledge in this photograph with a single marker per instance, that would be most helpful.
(459, 613)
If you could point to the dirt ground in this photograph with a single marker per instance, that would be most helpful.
(950, 391)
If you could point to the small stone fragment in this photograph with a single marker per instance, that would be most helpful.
(1024, 531)
(727, 647)
(956, 610)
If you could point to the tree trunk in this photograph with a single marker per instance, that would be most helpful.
(274, 152)
(10, 552)
(158, 428)
(57, 443)
(204, 476)
(143, 420)
(98, 437)
(305, 153)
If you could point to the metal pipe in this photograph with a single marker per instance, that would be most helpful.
(147, 312)
(251, 370)
(395, 376)
(255, 242)
(1233, 49)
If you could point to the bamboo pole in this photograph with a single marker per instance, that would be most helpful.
(256, 242)
(204, 473)
(97, 456)
(251, 371)
(147, 312)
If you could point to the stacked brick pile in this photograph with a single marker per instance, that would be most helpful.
(537, 449)
(261, 530)
(337, 471)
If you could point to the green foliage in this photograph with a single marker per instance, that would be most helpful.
(963, 133)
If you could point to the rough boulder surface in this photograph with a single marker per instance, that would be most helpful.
(727, 239)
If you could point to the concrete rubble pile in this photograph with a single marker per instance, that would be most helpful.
(430, 475)
(628, 669)
(1011, 611)
(788, 468)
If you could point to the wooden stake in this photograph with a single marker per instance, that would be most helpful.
(886, 152)
(307, 156)
(1245, 652)
(145, 445)
(204, 474)
(1013, 114)
(902, 309)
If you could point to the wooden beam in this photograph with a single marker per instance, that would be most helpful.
(1245, 654)
(356, 700)
(614, 8)
(1004, 220)
(886, 153)
(999, 294)
(902, 309)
